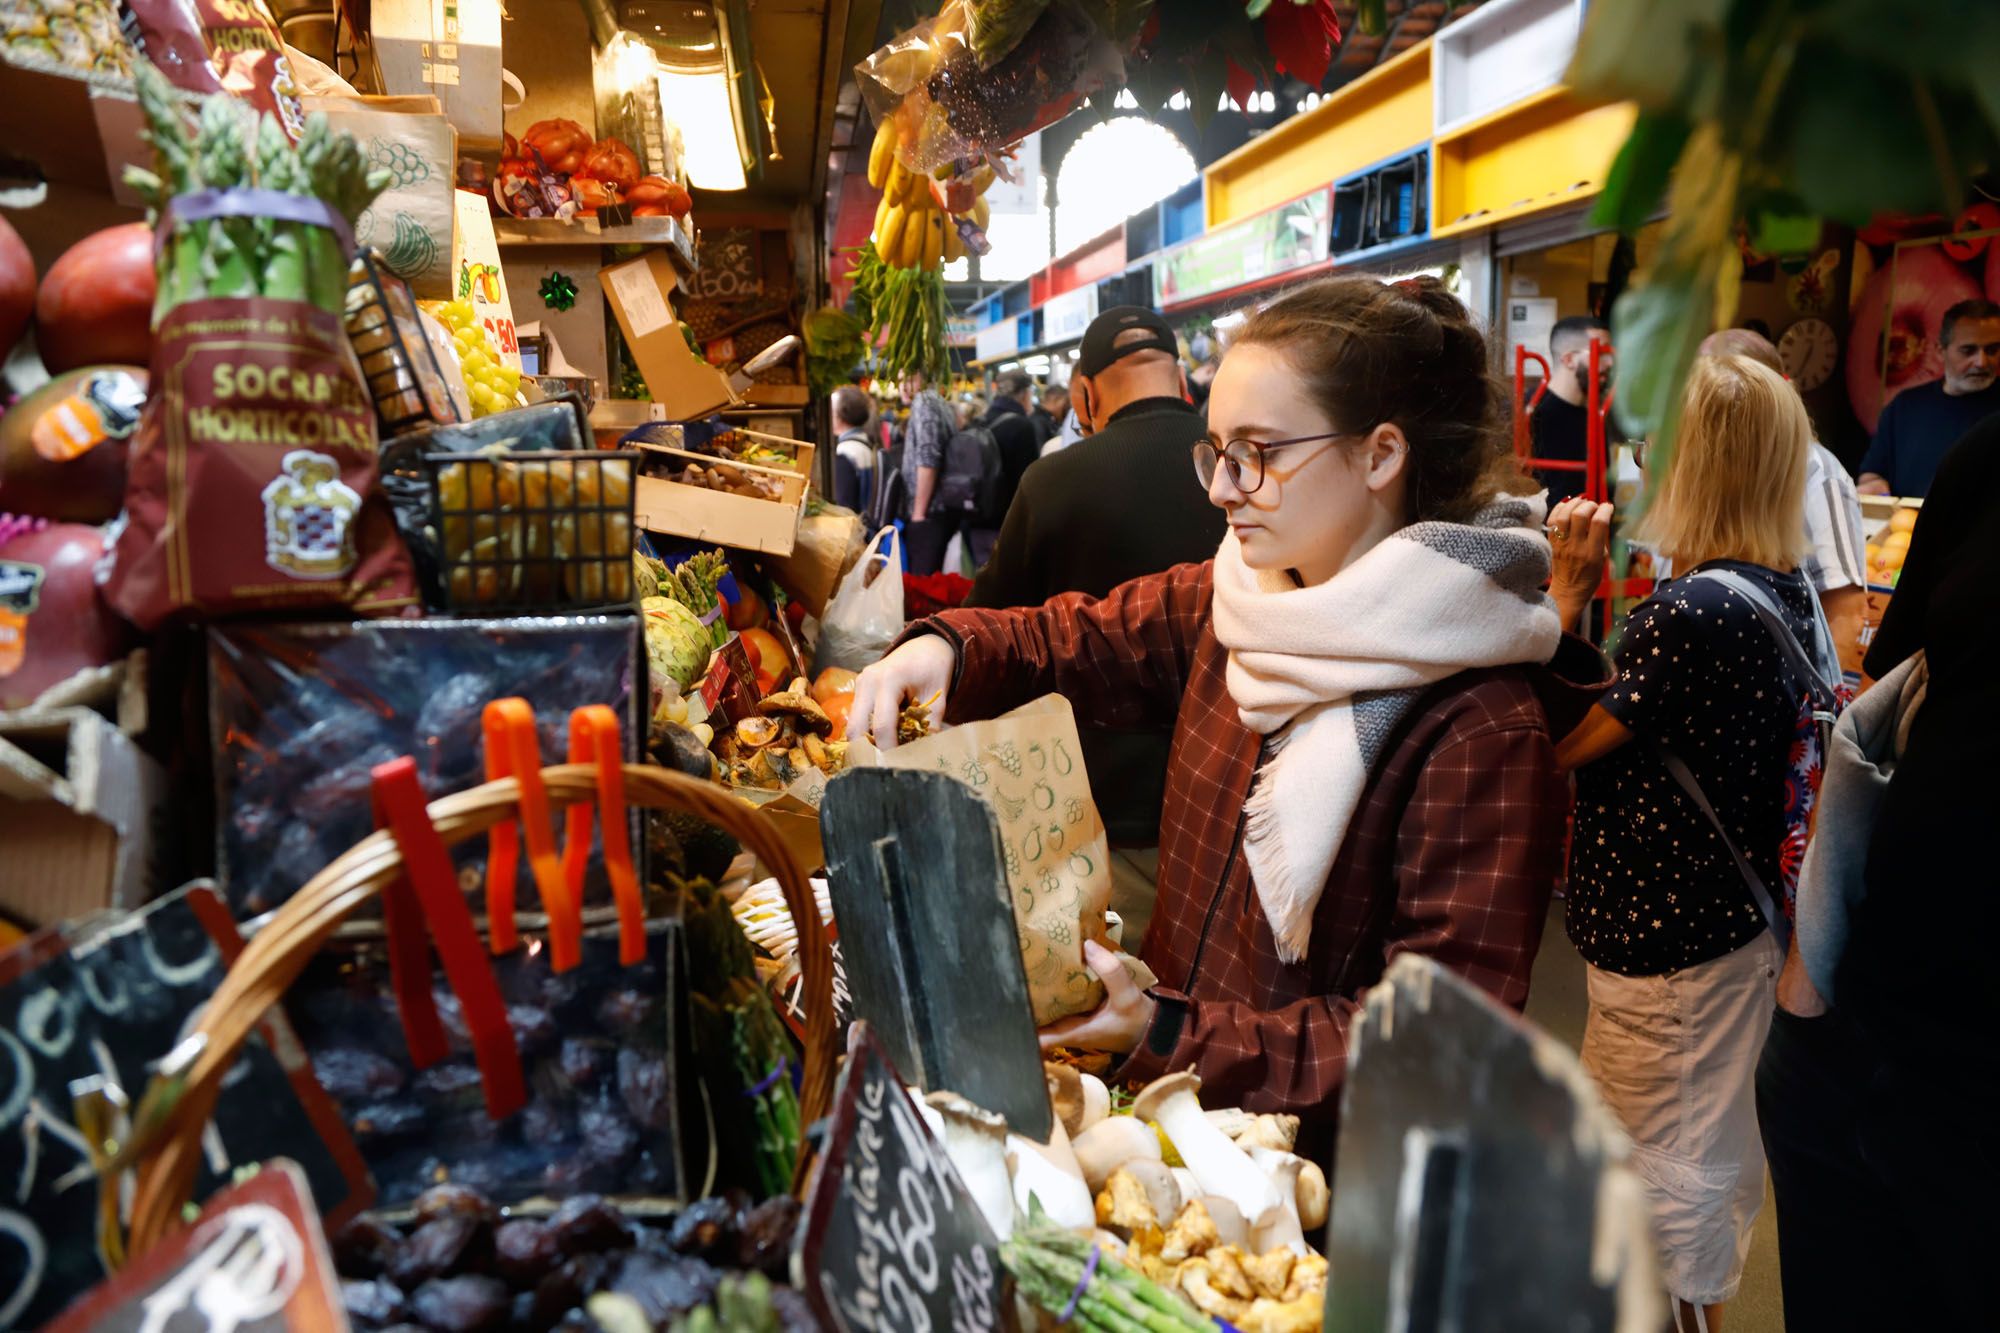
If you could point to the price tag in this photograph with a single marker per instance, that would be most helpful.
(892, 1242)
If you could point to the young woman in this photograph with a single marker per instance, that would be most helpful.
(1683, 967)
(1362, 761)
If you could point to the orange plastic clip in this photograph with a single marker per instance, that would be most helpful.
(509, 725)
(429, 877)
(503, 844)
(594, 739)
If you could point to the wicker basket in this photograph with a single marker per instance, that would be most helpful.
(168, 1144)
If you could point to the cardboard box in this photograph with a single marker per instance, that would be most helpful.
(737, 521)
(640, 293)
(449, 49)
(77, 805)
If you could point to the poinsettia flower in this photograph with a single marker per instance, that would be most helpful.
(1302, 37)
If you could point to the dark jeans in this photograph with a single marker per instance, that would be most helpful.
(924, 543)
(1884, 1177)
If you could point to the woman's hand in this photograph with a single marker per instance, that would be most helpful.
(1117, 1025)
(1580, 547)
(920, 670)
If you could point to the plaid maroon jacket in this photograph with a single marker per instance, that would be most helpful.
(1453, 851)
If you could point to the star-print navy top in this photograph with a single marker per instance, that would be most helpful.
(1652, 888)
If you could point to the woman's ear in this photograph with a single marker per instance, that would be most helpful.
(1386, 452)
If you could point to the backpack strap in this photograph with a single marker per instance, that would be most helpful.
(1774, 917)
(1820, 671)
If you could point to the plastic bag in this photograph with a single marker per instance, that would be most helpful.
(864, 618)
(950, 109)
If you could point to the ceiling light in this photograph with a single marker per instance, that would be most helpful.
(699, 104)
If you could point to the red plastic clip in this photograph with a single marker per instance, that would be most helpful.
(410, 964)
(594, 739)
(509, 725)
(428, 875)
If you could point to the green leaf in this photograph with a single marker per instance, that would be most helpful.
(1859, 145)
(1256, 9)
(1637, 181)
(1643, 49)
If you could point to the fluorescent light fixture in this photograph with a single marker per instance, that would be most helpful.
(699, 104)
(1036, 365)
(1010, 365)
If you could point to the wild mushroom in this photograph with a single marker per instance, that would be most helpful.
(1139, 1194)
(1190, 1187)
(1230, 1228)
(975, 1140)
(1193, 1232)
(754, 733)
(796, 702)
(1048, 1172)
(1280, 1133)
(1233, 1121)
(1096, 1101)
(1221, 1167)
(1313, 1197)
(1110, 1144)
(1065, 1095)
(1279, 1229)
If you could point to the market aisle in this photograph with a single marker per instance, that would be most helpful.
(1556, 1001)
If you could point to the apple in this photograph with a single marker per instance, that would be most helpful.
(832, 683)
(766, 653)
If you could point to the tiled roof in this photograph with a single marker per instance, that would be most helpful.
(1408, 24)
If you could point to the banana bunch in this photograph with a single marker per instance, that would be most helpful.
(912, 227)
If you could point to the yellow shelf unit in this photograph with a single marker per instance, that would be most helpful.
(1547, 150)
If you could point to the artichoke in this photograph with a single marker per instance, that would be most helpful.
(678, 645)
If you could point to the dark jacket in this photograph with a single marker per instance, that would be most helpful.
(1020, 443)
(1452, 852)
(1118, 505)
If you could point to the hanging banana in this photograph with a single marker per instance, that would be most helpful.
(882, 154)
(954, 244)
(914, 231)
(889, 236)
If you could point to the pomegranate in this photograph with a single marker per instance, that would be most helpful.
(1926, 285)
(17, 286)
(95, 305)
(52, 622)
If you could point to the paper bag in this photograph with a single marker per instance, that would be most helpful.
(412, 222)
(829, 543)
(1028, 767)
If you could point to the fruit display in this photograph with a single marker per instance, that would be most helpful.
(905, 313)
(460, 1264)
(53, 624)
(556, 170)
(789, 734)
(63, 446)
(17, 286)
(96, 302)
(1891, 547)
(531, 529)
(80, 35)
(490, 383)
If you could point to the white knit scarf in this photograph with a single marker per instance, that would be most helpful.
(1327, 672)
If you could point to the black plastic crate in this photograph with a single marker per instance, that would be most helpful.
(544, 531)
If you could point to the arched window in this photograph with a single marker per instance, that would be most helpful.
(1114, 170)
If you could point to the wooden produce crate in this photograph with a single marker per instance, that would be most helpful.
(737, 521)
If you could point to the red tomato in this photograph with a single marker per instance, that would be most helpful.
(95, 305)
(17, 286)
(610, 160)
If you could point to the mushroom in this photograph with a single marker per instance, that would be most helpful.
(797, 702)
(1280, 1133)
(1221, 1167)
(1139, 1194)
(1193, 1232)
(754, 733)
(1110, 1144)
(1233, 1121)
(1270, 1273)
(1279, 1229)
(1048, 1173)
(1065, 1095)
(1190, 1187)
(1313, 1197)
(1096, 1101)
(1230, 1228)
(975, 1140)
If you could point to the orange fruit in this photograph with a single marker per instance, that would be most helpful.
(766, 653)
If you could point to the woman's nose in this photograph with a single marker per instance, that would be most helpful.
(1223, 491)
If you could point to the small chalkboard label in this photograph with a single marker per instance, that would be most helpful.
(892, 1241)
(255, 1261)
(97, 1007)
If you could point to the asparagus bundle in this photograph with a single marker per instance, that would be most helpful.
(1053, 1267)
(248, 247)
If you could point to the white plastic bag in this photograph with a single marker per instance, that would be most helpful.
(864, 618)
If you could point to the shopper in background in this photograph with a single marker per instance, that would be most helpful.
(929, 429)
(1836, 567)
(1049, 413)
(853, 455)
(1919, 426)
(1085, 520)
(1363, 763)
(1683, 962)
(1020, 444)
(1559, 422)
(1879, 1113)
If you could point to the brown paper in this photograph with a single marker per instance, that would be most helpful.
(829, 543)
(1028, 766)
(411, 222)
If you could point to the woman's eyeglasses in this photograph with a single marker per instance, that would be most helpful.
(1244, 459)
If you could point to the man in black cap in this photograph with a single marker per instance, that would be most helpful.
(1122, 502)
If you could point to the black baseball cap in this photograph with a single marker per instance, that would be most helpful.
(1098, 351)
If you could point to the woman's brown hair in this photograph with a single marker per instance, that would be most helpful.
(1407, 352)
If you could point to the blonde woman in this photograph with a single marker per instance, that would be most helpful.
(1683, 965)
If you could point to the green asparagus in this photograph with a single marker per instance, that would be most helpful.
(1049, 1264)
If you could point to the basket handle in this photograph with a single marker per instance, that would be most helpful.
(166, 1136)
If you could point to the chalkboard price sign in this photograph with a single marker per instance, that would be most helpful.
(892, 1241)
(255, 1261)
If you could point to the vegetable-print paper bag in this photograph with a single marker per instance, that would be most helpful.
(1028, 767)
